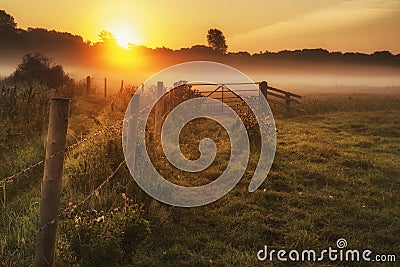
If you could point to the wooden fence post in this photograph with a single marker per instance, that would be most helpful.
(222, 98)
(263, 91)
(53, 171)
(159, 109)
(122, 86)
(170, 101)
(132, 130)
(105, 87)
(264, 88)
(87, 85)
(287, 101)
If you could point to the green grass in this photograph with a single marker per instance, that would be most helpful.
(325, 184)
(335, 175)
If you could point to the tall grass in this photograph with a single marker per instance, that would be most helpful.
(335, 169)
(349, 102)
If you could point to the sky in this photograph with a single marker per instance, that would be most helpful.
(251, 25)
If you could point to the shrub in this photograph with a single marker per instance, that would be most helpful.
(103, 238)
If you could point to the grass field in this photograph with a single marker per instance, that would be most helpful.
(335, 175)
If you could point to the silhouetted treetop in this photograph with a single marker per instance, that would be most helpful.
(38, 68)
(7, 22)
(54, 35)
(73, 49)
(216, 40)
(106, 37)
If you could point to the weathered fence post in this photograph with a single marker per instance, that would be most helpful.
(87, 85)
(159, 109)
(264, 88)
(172, 101)
(222, 98)
(287, 101)
(105, 87)
(53, 171)
(122, 86)
(132, 130)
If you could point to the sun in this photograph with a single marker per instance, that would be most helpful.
(124, 37)
(123, 40)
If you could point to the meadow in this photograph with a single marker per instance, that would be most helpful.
(335, 175)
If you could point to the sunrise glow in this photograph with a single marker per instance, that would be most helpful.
(338, 25)
(124, 38)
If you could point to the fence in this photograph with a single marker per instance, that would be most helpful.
(291, 101)
(92, 84)
(279, 98)
(55, 150)
(275, 96)
(53, 170)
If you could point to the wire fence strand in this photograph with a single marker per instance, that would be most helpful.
(95, 191)
(66, 149)
(52, 221)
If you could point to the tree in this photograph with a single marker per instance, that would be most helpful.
(38, 68)
(7, 23)
(106, 36)
(216, 40)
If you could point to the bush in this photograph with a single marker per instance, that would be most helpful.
(38, 68)
(25, 95)
(93, 238)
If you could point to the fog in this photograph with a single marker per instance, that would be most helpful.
(301, 78)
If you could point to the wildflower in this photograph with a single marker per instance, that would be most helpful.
(100, 219)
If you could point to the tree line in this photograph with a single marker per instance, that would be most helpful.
(73, 47)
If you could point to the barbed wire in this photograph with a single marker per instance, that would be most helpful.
(6, 179)
(95, 191)
(66, 149)
(31, 237)
(71, 207)
(71, 147)
(117, 125)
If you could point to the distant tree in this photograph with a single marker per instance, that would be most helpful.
(7, 23)
(216, 40)
(41, 35)
(201, 49)
(383, 54)
(106, 36)
(38, 68)
(242, 54)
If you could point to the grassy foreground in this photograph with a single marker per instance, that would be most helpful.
(335, 175)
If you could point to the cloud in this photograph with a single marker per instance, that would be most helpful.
(349, 25)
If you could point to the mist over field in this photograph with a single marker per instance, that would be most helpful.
(135, 63)
(299, 76)
(316, 77)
